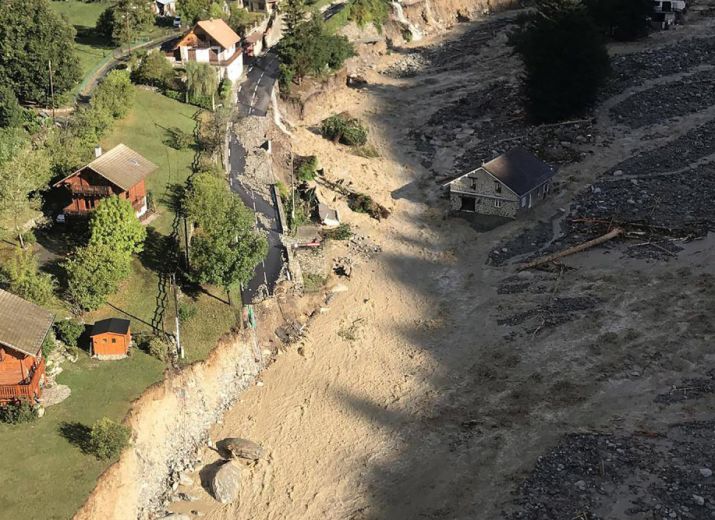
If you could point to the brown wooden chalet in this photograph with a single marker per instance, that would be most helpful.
(23, 327)
(120, 171)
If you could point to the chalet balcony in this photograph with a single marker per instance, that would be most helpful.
(27, 389)
(92, 191)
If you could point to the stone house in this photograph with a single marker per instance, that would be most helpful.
(506, 186)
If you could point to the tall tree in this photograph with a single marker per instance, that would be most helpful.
(24, 171)
(115, 94)
(565, 59)
(125, 20)
(115, 224)
(33, 35)
(293, 17)
(10, 109)
(193, 10)
(226, 248)
(201, 80)
(93, 273)
(24, 278)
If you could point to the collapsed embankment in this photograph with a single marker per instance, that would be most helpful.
(169, 423)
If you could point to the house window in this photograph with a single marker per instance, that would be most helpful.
(473, 183)
(114, 340)
(497, 203)
(468, 204)
(497, 187)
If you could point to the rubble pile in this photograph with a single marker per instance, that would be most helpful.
(689, 389)
(662, 476)
(698, 143)
(632, 70)
(662, 102)
(408, 67)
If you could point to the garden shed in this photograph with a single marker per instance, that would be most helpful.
(110, 339)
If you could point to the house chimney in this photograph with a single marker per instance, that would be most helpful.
(97, 151)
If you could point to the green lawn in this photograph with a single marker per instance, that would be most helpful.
(44, 474)
(83, 16)
(144, 130)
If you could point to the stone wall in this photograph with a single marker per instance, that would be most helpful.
(485, 189)
(170, 421)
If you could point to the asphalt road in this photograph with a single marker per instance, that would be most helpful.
(254, 95)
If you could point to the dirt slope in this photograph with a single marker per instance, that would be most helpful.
(434, 385)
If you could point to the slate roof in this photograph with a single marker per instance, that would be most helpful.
(23, 325)
(219, 31)
(121, 166)
(518, 169)
(111, 325)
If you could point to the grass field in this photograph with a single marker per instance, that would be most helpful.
(46, 475)
(145, 130)
(83, 16)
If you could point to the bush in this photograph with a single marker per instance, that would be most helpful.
(178, 139)
(224, 91)
(17, 412)
(154, 70)
(344, 129)
(49, 344)
(115, 94)
(307, 167)
(186, 312)
(342, 232)
(11, 113)
(158, 348)
(108, 438)
(93, 273)
(69, 331)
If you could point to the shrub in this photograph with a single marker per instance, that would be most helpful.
(115, 94)
(11, 113)
(108, 438)
(306, 168)
(178, 139)
(186, 312)
(342, 232)
(158, 348)
(154, 70)
(224, 91)
(17, 412)
(344, 129)
(49, 344)
(69, 331)
(93, 273)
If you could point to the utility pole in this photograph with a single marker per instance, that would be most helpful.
(52, 90)
(292, 189)
(179, 348)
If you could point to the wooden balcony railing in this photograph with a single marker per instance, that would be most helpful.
(99, 191)
(26, 390)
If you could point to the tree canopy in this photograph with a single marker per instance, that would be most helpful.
(24, 171)
(565, 59)
(115, 223)
(22, 276)
(308, 49)
(154, 70)
(226, 248)
(32, 35)
(10, 109)
(93, 273)
(115, 95)
(124, 20)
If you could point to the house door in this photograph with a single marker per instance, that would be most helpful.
(468, 204)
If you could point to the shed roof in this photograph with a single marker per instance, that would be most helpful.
(518, 169)
(219, 31)
(110, 325)
(23, 325)
(121, 166)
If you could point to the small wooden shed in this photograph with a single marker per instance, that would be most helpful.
(110, 339)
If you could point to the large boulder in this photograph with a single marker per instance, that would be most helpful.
(227, 483)
(237, 448)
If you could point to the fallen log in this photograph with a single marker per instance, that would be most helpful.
(615, 232)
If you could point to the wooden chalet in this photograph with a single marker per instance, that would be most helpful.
(23, 328)
(121, 171)
(110, 338)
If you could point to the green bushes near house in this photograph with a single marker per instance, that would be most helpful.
(306, 168)
(17, 412)
(154, 70)
(69, 331)
(108, 438)
(344, 129)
